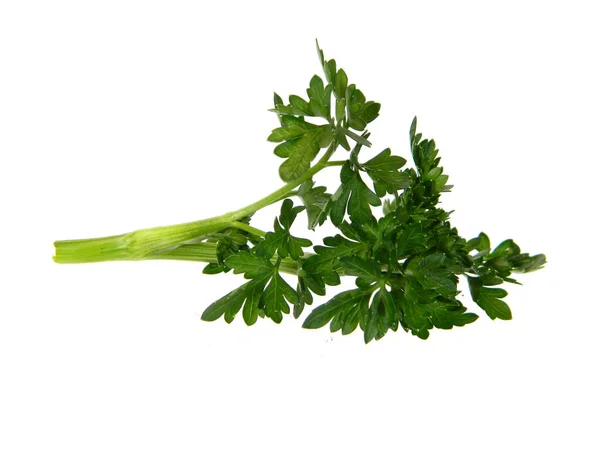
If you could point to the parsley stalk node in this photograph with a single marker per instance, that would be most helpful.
(393, 238)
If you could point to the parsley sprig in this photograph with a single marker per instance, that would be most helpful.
(393, 239)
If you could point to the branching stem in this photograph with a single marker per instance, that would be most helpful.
(142, 244)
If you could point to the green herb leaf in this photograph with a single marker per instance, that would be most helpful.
(275, 296)
(359, 111)
(230, 304)
(430, 274)
(414, 316)
(384, 171)
(314, 198)
(489, 299)
(327, 259)
(252, 294)
(383, 314)
(320, 97)
(339, 305)
(301, 146)
(447, 314)
(405, 258)
(304, 297)
(281, 239)
(250, 264)
(341, 83)
(358, 267)
(353, 196)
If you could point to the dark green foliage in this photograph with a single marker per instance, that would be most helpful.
(341, 306)
(314, 198)
(384, 171)
(325, 264)
(407, 263)
(267, 294)
(304, 297)
(353, 196)
(390, 234)
(405, 259)
(281, 240)
(489, 299)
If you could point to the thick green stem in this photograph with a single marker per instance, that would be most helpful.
(207, 252)
(136, 245)
(201, 252)
(140, 244)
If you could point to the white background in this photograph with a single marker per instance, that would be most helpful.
(122, 115)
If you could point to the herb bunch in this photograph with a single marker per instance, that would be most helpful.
(393, 238)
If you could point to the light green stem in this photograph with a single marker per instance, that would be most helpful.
(141, 244)
(207, 252)
(245, 227)
(136, 245)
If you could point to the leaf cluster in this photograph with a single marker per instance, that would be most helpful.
(300, 140)
(393, 239)
(267, 294)
(494, 267)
